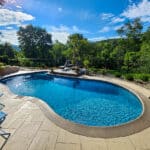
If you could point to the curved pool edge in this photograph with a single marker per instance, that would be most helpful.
(91, 131)
(126, 129)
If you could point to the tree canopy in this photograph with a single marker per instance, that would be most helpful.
(129, 53)
(35, 43)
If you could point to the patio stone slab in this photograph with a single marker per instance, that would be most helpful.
(23, 136)
(64, 146)
(120, 144)
(44, 141)
(88, 143)
(67, 137)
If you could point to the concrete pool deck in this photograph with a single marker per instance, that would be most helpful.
(32, 130)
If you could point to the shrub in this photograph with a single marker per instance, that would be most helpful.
(129, 77)
(25, 62)
(4, 59)
(117, 74)
(86, 63)
(144, 77)
(1, 66)
(102, 71)
(92, 70)
(124, 69)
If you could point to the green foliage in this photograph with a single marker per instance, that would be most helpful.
(78, 45)
(144, 77)
(103, 71)
(144, 58)
(117, 74)
(131, 60)
(6, 53)
(2, 65)
(26, 62)
(129, 77)
(129, 54)
(35, 43)
(86, 63)
(132, 31)
(59, 53)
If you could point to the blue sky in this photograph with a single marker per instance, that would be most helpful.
(95, 19)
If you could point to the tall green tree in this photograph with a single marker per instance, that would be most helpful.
(145, 53)
(6, 53)
(77, 43)
(132, 30)
(36, 43)
(58, 53)
(131, 61)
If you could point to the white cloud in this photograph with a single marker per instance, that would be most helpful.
(106, 16)
(63, 28)
(10, 17)
(76, 29)
(62, 32)
(11, 1)
(85, 15)
(9, 36)
(9, 28)
(97, 38)
(19, 6)
(103, 38)
(60, 9)
(117, 20)
(105, 29)
(60, 36)
(130, 1)
(117, 27)
(140, 10)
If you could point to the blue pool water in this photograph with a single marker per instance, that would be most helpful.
(91, 103)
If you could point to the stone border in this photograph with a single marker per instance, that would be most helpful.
(134, 126)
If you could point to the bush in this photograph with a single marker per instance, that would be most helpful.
(2, 66)
(117, 74)
(4, 59)
(129, 77)
(102, 71)
(92, 70)
(124, 69)
(86, 63)
(25, 62)
(144, 77)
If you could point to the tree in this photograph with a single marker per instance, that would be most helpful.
(145, 58)
(6, 53)
(131, 61)
(146, 36)
(78, 44)
(117, 57)
(132, 31)
(58, 53)
(36, 43)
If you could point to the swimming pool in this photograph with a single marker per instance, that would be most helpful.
(86, 102)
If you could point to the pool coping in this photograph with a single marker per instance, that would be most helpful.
(126, 129)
